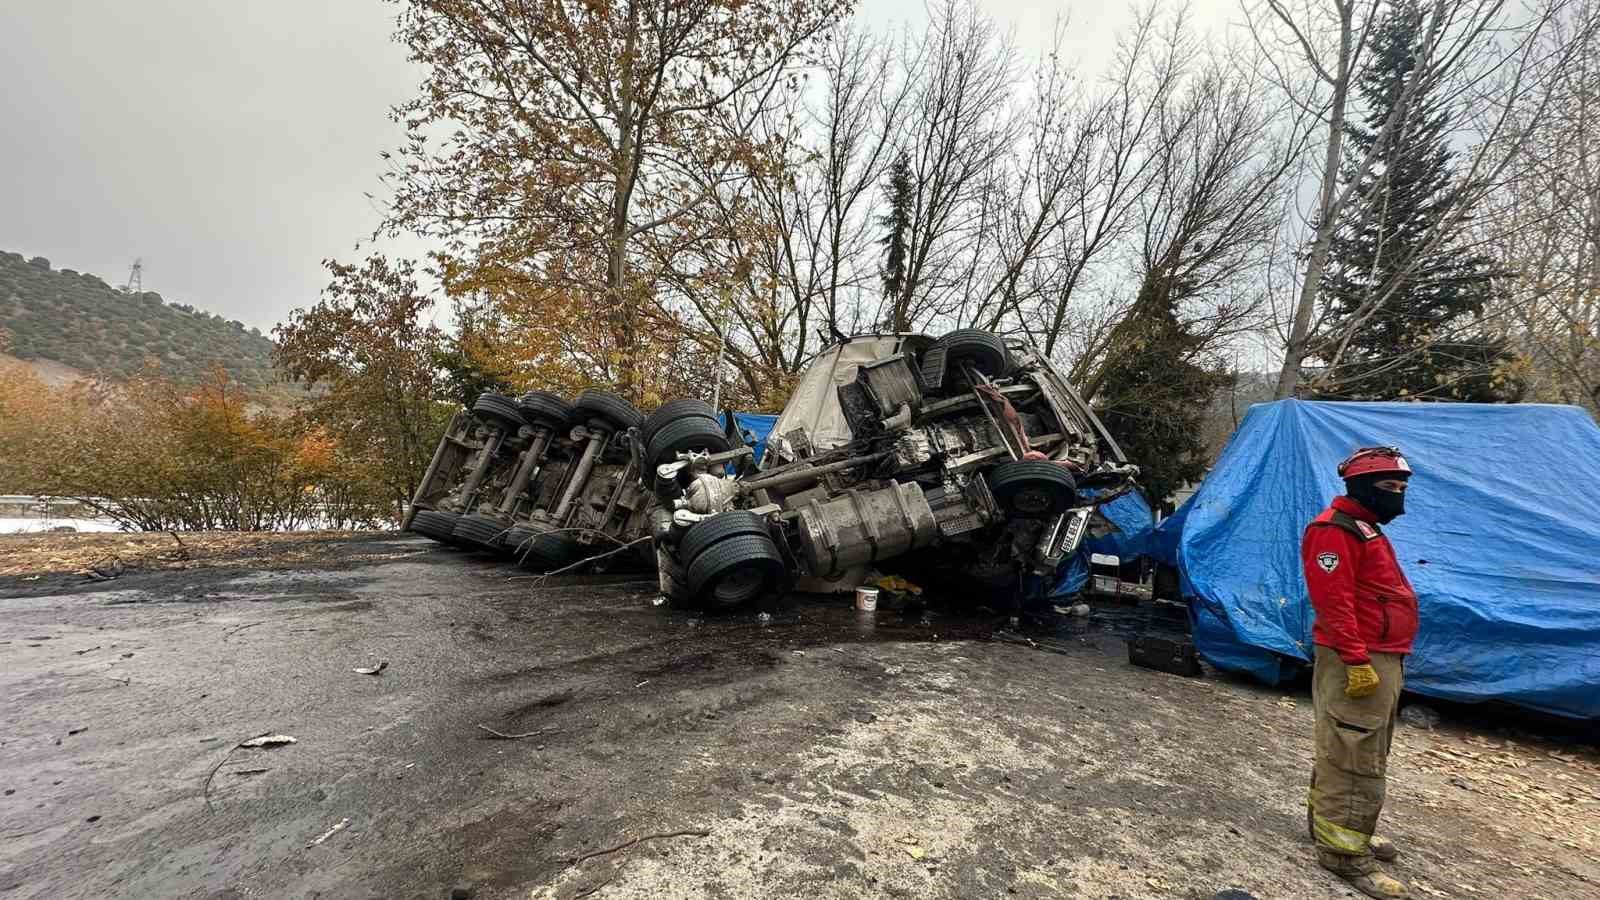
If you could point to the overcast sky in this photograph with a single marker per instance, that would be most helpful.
(229, 143)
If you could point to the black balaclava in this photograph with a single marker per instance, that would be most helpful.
(1386, 505)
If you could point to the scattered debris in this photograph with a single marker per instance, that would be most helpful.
(87, 650)
(625, 845)
(916, 852)
(249, 771)
(235, 630)
(641, 684)
(77, 731)
(461, 892)
(1418, 716)
(330, 832)
(107, 569)
(515, 737)
(268, 740)
(372, 670)
(264, 739)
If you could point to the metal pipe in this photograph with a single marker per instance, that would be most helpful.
(470, 487)
(580, 474)
(529, 465)
(807, 474)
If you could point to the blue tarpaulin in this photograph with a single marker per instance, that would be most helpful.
(1501, 539)
(1132, 539)
(755, 427)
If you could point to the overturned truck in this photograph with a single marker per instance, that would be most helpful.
(550, 482)
(963, 459)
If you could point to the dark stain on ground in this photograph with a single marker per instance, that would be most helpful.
(643, 719)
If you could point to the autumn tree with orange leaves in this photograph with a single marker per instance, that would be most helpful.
(576, 158)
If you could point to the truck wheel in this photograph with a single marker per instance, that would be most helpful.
(547, 409)
(613, 409)
(436, 524)
(735, 571)
(984, 349)
(481, 532)
(540, 551)
(498, 410)
(681, 435)
(719, 527)
(671, 411)
(1033, 488)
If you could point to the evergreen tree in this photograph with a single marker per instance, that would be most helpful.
(1422, 341)
(902, 194)
(1155, 394)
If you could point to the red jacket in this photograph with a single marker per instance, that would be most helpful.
(1363, 601)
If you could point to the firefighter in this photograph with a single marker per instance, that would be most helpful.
(1366, 619)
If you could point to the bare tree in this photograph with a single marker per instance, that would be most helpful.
(960, 125)
(1544, 221)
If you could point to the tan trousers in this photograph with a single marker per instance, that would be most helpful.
(1353, 738)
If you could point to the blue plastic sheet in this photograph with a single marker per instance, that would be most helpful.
(1501, 539)
(1132, 539)
(755, 427)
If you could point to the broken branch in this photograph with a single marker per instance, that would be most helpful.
(649, 837)
(513, 737)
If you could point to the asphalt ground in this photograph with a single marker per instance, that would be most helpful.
(815, 753)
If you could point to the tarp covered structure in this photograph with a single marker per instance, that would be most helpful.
(1501, 539)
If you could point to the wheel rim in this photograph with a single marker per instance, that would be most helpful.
(1033, 500)
(739, 586)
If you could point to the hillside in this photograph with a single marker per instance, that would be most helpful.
(78, 320)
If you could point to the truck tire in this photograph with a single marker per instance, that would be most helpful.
(983, 349)
(691, 432)
(719, 527)
(1033, 489)
(735, 571)
(544, 408)
(436, 524)
(481, 532)
(498, 410)
(609, 407)
(540, 551)
(671, 411)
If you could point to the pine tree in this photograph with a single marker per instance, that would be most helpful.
(1156, 393)
(902, 194)
(1422, 341)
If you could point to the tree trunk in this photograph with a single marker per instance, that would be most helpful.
(1298, 345)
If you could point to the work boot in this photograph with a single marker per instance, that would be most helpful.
(1364, 874)
(1381, 847)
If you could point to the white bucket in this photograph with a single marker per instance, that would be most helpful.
(866, 599)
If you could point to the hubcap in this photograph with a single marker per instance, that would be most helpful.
(1032, 500)
(740, 585)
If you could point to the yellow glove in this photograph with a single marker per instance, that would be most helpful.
(1360, 681)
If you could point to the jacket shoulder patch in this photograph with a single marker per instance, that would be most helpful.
(1366, 529)
(1328, 561)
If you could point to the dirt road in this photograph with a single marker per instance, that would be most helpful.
(813, 755)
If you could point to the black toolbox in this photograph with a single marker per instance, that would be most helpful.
(1164, 655)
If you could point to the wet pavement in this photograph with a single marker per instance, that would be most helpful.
(815, 752)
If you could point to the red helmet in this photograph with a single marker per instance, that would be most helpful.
(1368, 460)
